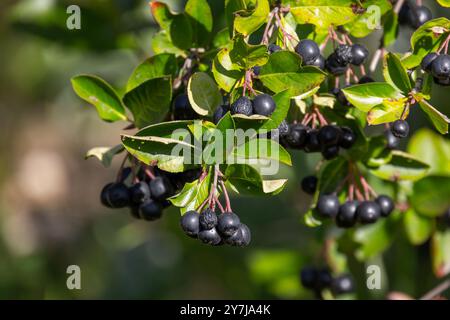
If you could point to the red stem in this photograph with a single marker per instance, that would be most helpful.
(227, 198)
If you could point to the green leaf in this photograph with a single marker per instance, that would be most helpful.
(165, 129)
(200, 16)
(432, 149)
(101, 95)
(203, 93)
(424, 41)
(248, 21)
(366, 96)
(390, 27)
(444, 3)
(193, 194)
(402, 166)
(247, 56)
(439, 120)
(298, 83)
(418, 228)
(396, 74)
(161, 13)
(262, 149)
(283, 102)
(159, 65)
(388, 111)
(366, 23)
(221, 39)
(322, 13)
(282, 62)
(431, 195)
(150, 101)
(225, 72)
(161, 151)
(377, 153)
(440, 253)
(161, 43)
(104, 154)
(310, 219)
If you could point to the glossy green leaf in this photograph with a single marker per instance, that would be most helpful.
(366, 23)
(150, 101)
(439, 120)
(225, 72)
(201, 19)
(388, 111)
(262, 149)
(104, 154)
(444, 3)
(396, 74)
(203, 93)
(193, 194)
(161, 43)
(440, 253)
(101, 95)
(431, 195)
(283, 102)
(390, 27)
(247, 56)
(248, 21)
(282, 62)
(418, 228)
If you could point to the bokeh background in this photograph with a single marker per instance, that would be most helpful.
(50, 214)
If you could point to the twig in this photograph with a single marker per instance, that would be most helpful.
(119, 173)
(227, 198)
(437, 290)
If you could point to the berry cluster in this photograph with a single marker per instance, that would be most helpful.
(319, 279)
(214, 229)
(352, 211)
(338, 62)
(310, 53)
(438, 65)
(262, 104)
(414, 15)
(328, 139)
(147, 195)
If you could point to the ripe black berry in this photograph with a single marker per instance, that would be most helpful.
(160, 188)
(427, 61)
(319, 62)
(139, 192)
(324, 279)
(117, 195)
(368, 212)
(246, 235)
(283, 128)
(330, 152)
(312, 143)
(210, 236)
(442, 82)
(219, 113)
(208, 219)
(273, 48)
(240, 238)
(334, 67)
(386, 205)
(308, 277)
(329, 135)
(182, 109)
(309, 184)
(264, 105)
(342, 284)
(440, 67)
(150, 210)
(359, 54)
(343, 55)
(392, 142)
(104, 195)
(348, 138)
(228, 223)
(297, 136)
(308, 50)
(418, 15)
(328, 205)
(346, 216)
(365, 79)
(256, 70)
(400, 129)
(190, 223)
(243, 105)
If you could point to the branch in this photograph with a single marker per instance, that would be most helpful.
(437, 290)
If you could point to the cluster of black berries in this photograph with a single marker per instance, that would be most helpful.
(353, 211)
(337, 63)
(148, 197)
(262, 104)
(214, 229)
(327, 139)
(414, 15)
(310, 53)
(319, 279)
(439, 67)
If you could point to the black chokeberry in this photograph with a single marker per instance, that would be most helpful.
(324, 279)
(319, 62)
(359, 54)
(329, 135)
(139, 192)
(210, 236)
(418, 15)
(348, 138)
(340, 96)
(256, 70)
(334, 67)
(328, 205)
(264, 105)
(440, 67)
(392, 142)
(344, 55)
(386, 204)
(297, 136)
(208, 219)
(400, 129)
(219, 113)
(342, 284)
(117, 195)
(330, 152)
(283, 129)
(346, 216)
(104, 195)
(368, 212)
(442, 82)
(190, 223)
(365, 79)
(308, 277)
(308, 50)
(160, 188)
(182, 109)
(427, 61)
(150, 210)
(228, 223)
(246, 235)
(312, 143)
(309, 184)
(240, 238)
(273, 48)
(243, 105)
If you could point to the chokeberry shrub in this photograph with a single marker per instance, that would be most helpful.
(301, 70)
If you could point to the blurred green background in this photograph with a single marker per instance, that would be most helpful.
(50, 214)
